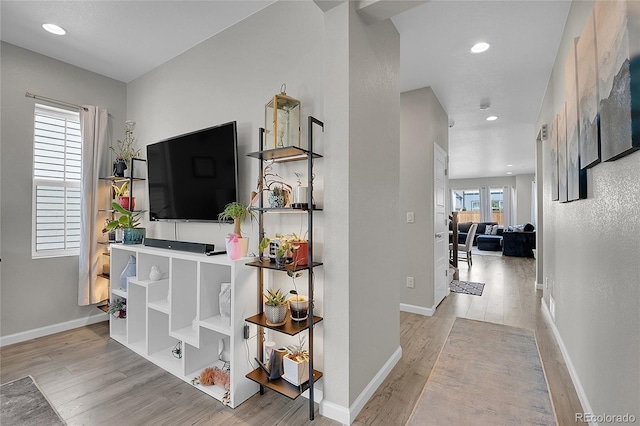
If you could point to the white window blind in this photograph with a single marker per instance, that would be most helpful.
(57, 169)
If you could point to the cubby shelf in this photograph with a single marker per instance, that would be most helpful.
(183, 310)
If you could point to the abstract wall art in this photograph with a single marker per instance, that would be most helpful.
(588, 95)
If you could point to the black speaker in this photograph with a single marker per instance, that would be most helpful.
(179, 245)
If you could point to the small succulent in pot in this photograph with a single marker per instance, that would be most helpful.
(275, 306)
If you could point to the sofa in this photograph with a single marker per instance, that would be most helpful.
(463, 230)
(519, 241)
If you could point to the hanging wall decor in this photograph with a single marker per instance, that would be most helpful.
(562, 155)
(588, 95)
(618, 53)
(576, 179)
(554, 159)
(282, 120)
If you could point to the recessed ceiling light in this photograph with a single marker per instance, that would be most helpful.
(509, 173)
(54, 29)
(480, 47)
(509, 165)
(492, 118)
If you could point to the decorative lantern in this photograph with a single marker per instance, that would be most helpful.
(282, 120)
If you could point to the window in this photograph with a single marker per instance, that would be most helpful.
(57, 168)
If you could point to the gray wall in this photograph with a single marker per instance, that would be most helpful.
(423, 124)
(591, 257)
(39, 292)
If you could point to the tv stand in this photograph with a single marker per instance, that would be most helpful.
(183, 308)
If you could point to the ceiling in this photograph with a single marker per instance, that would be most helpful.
(435, 40)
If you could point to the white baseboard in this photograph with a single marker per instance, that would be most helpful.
(582, 396)
(51, 329)
(420, 310)
(348, 415)
(539, 286)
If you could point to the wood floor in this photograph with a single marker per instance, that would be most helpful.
(92, 380)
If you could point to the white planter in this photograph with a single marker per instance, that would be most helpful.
(299, 305)
(275, 314)
(237, 249)
(295, 372)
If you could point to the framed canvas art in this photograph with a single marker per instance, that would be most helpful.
(588, 96)
(617, 43)
(562, 155)
(554, 159)
(576, 181)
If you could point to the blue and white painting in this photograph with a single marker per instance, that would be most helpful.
(617, 41)
(562, 156)
(588, 95)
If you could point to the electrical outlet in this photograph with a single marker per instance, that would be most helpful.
(411, 217)
(411, 282)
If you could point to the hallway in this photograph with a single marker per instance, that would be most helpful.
(509, 298)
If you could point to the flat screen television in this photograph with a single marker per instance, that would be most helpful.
(193, 176)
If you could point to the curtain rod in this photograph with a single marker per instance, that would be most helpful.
(34, 96)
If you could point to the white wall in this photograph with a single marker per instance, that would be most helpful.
(591, 256)
(39, 292)
(423, 124)
(322, 59)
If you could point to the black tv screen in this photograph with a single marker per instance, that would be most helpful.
(193, 176)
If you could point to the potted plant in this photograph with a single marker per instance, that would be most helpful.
(262, 246)
(299, 247)
(275, 307)
(128, 222)
(124, 150)
(237, 245)
(118, 308)
(122, 194)
(279, 191)
(296, 364)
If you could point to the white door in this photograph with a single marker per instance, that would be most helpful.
(441, 230)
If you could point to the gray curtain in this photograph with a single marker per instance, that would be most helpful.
(93, 124)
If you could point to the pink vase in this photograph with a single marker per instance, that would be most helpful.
(237, 249)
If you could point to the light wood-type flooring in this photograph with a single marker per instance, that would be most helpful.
(92, 380)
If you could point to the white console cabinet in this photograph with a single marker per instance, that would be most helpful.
(183, 307)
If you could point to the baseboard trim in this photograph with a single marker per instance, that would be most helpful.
(420, 310)
(582, 396)
(51, 329)
(348, 415)
(539, 286)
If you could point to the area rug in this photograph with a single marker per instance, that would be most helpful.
(467, 287)
(486, 374)
(22, 403)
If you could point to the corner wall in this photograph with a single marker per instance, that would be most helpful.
(423, 124)
(43, 292)
(591, 256)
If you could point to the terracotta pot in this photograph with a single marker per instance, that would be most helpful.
(124, 203)
(301, 254)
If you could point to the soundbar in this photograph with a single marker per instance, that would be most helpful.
(179, 245)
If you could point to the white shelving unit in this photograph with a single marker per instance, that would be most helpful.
(183, 307)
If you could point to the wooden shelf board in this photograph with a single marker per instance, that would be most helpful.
(283, 209)
(106, 276)
(266, 264)
(281, 385)
(103, 308)
(288, 153)
(290, 327)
